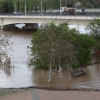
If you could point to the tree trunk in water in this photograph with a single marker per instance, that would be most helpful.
(60, 68)
(50, 73)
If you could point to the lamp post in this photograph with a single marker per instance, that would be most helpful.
(75, 4)
(83, 6)
(18, 6)
(25, 7)
(66, 3)
(51, 4)
(46, 5)
(41, 7)
(15, 7)
(92, 6)
(60, 4)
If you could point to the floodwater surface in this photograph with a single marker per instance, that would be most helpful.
(21, 75)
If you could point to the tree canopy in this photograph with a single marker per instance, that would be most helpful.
(5, 46)
(84, 44)
(53, 44)
(58, 46)
(61, 46)
(6, 6)
(9, 5)
(94, 29)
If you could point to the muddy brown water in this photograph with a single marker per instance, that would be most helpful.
(20, 75)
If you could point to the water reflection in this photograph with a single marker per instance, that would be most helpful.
(7, 71)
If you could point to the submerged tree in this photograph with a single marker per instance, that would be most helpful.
(5, 46)
(84, 44)
(94, 29)
(52, 47)
(58, 47)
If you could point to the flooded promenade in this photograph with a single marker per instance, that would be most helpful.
(21, 75)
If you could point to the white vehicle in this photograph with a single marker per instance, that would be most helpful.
(67, 11)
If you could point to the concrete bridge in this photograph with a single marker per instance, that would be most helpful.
(8, 22)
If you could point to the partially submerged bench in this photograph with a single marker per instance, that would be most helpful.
(78, 72)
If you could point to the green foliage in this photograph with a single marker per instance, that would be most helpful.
(52, 44)
(88, 3)
(94, 28)
(75, 64)
(46, 4)
(6, 6)
(84, 44)
(58, 45)
(9, 5)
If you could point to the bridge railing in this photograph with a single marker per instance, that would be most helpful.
(53, 14)
(58, 14)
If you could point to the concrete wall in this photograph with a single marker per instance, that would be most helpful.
(73, 20)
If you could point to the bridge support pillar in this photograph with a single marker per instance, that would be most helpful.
(1, 23)
(31, 26)
(10, 26)
(1, 27)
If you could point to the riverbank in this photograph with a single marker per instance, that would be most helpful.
(9, 91)
(41, 94)
(6, 91)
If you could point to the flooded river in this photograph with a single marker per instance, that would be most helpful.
(20, 75)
